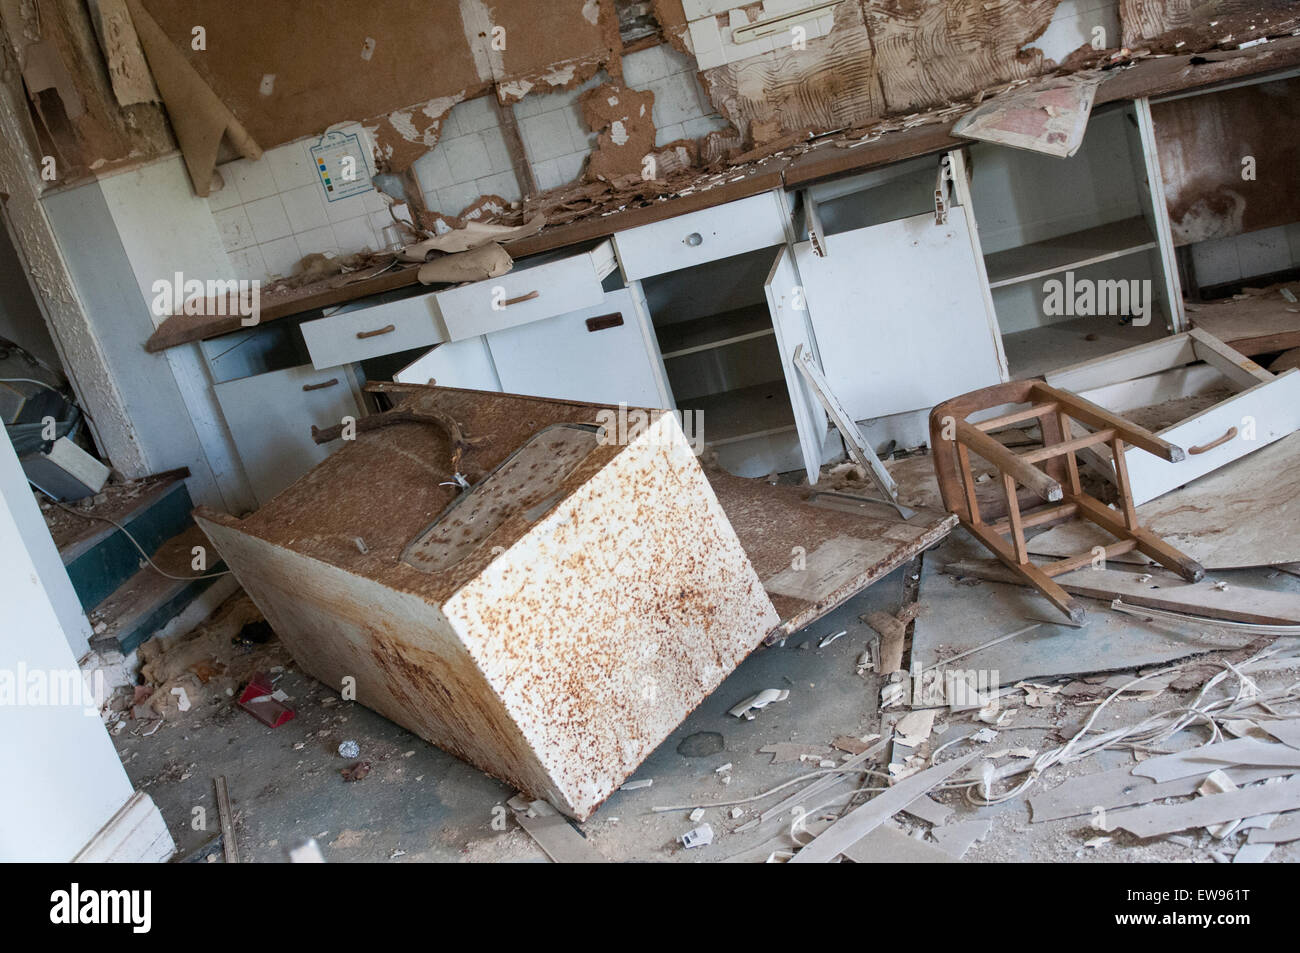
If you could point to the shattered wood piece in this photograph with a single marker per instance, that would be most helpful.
(852, 745)
(1239, 752)
(123, 55)
(889, 845)
(227, 820)
(1157, 819)
(559, 841)
(855, 825)
(486, 261)
(785, 751)
(956, 839)
(893, 630)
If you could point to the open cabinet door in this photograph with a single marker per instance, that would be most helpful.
(899, 310)
(787, 302)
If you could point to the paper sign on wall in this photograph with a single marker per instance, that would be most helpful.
(341, 165)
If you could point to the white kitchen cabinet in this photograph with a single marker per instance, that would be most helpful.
(899, 313)
(697, 238)
(603, 354)
(466, 363)
(534, 289)
(270, 417)
(373, 328)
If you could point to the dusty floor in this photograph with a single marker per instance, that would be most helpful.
(419, 804)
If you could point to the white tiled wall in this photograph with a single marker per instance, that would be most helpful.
(472, 159)
(1237, 257)
(272, 212)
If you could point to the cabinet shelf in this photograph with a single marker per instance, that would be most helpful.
(714, 330)
(733, 415)
(1039, 350)
(1075, 250)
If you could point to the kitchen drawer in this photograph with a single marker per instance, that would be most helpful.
(606, 354)
(1218, 436)
(1265, 407)
(348, 336)
(700, 237)
(270, 417)
(530, 292)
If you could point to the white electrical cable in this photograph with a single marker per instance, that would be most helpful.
(127, 533)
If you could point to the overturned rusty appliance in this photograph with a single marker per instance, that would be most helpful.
(500, 577)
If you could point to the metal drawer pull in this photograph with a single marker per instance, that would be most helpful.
(387, 329)
(693, 239)
(1232, 432)
(522, 298)
(321, 386)
(605, 321)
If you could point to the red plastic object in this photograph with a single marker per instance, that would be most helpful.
(257, 701)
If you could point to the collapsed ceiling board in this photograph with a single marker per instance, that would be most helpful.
(1187, 21)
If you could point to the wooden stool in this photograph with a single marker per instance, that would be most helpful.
(953, 438)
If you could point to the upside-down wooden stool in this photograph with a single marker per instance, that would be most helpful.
(954, 438)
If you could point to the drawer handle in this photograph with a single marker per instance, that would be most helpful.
(693, 239)
(387, 329)
(321, 386)
(1232, 432)
(521, 299)
(605, 321)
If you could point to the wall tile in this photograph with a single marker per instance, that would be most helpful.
(305, 208)
(235, 230)
(268, 219)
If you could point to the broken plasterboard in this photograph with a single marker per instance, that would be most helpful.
(959, 617)
(1224, 520)
(1049, 116)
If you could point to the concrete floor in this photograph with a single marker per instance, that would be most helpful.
(419, 804)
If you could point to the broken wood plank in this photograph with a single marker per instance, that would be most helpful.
(861, 821)
(557, 838)
(893, 630)
(1162, 591)
(1156, 819)
(227, 820)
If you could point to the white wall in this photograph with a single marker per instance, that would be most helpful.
(63, 780)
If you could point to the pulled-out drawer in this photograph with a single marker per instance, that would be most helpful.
(700, 237)
(1265, 408)
(528, 293)
(373, 331)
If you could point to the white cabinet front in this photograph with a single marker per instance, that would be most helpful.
(899, 313)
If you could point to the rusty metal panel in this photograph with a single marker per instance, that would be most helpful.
(566, 642)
